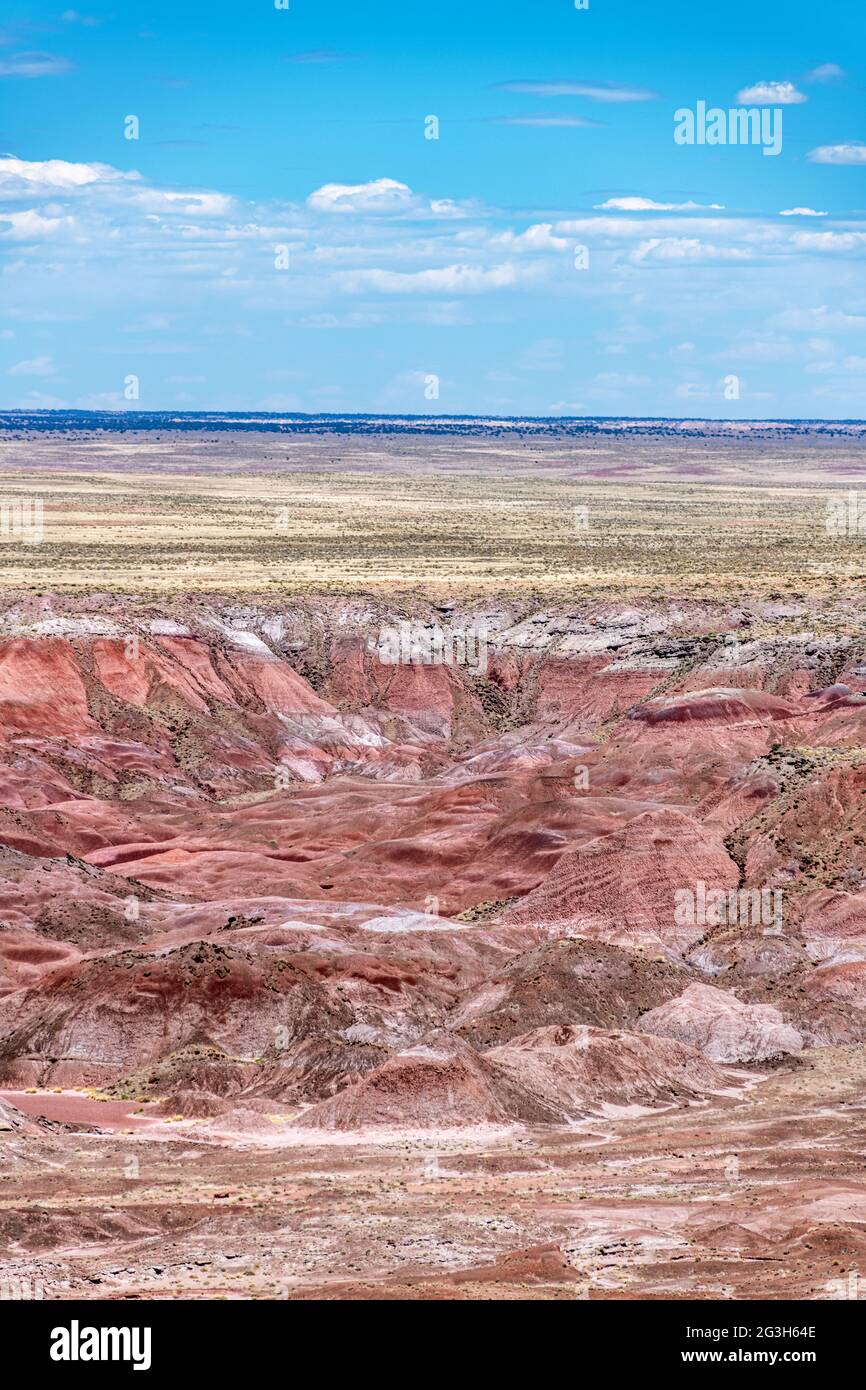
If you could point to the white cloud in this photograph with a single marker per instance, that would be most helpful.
(190, 204)
(363, 318)
(635, 204)
(855, 153)
(619, 229)
(382, 253)
(829, 241)
(819, 368)
(596, 91)
(825, 72)
(698, 391)
(449, 279)
(619, 380)
(22, 177)
(685, 249)
(34, 65)
(821, 319)
(538, 237)
(445, 207)
(35, 366)
(770, 94)
(29, 224)
(760, 349)
(379, 197)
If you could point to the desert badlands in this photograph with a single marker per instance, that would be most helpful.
(470, 941)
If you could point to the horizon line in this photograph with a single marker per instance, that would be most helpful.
(25, 411)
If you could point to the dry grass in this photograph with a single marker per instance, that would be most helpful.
(244, 513)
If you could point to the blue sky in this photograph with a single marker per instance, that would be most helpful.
(282, 236)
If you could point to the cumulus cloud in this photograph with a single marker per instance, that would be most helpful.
(770, 94)
(381, 252)
(29, 224)
(853, 153)
(381, 196)
(49, 177)
(635, 204)
(801, 212)
(538, 237)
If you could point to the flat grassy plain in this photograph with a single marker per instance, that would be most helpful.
(195, 511)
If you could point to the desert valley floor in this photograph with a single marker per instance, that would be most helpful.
(329, 975)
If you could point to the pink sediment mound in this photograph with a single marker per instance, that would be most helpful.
(828, 1003)
(622, 887)
(551, 1076)
(818, 837)
(722, 1027)
(719, 702)
(563, 982)
(833, 920)
(96, 1019)
(440, 1083)
(302, 1006)
(583, 1071)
